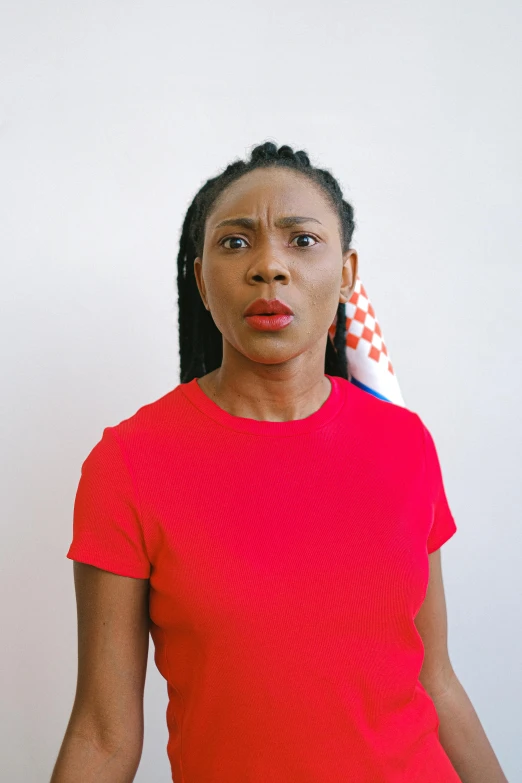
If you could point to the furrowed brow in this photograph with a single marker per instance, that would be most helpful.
(284, 222)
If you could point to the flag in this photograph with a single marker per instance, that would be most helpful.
(369, 363)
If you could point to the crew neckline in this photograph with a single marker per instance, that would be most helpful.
(330, 408)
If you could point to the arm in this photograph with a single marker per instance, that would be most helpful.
(463, 738)
(460, 732)
(104, 737)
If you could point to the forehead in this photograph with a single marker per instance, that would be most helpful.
(273, 190)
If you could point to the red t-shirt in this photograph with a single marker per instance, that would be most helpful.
(287, 561)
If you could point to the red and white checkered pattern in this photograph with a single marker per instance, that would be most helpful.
(368, 358)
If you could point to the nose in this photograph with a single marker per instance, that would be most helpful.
(268, 268)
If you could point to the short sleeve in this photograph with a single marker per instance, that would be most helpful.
(107, 530)
(443, 525)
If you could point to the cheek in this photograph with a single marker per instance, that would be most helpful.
(323, 296)
(224, 299)
(221, 287)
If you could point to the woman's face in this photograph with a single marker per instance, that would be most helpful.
(240, 264)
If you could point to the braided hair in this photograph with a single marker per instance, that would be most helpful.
(200, 341)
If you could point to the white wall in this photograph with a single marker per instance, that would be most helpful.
(112, 115)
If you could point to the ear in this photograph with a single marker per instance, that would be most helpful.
(349, 275)
(198, 274)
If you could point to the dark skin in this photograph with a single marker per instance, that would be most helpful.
(103, 740)
(273, 376)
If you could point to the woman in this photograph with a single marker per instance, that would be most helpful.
(269, 522)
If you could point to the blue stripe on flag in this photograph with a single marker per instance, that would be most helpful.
(367, 389)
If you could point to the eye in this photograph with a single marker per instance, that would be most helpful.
(306, 235)
(240, 239)
(222, 243)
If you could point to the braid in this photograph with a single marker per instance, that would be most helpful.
(200, 341)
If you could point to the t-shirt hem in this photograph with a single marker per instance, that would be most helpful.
(443, 538)
(121, 569)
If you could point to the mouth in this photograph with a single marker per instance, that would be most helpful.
(268, 307)
(269, 322)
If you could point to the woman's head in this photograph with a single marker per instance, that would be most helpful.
(222, 269)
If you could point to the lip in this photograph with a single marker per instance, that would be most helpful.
(269, 323)
(268, 307)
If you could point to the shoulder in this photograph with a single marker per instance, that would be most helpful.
(381, 413)
(152, 423)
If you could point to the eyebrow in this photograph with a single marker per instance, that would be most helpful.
(284, 222)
